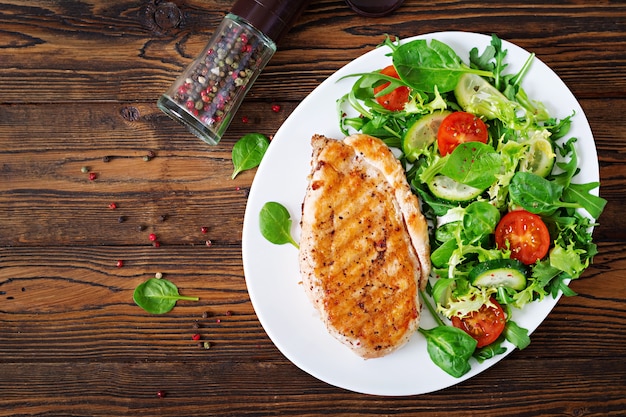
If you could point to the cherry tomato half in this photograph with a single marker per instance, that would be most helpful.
(395, 100)
(527, 236)
(460, 127)
(484, 325)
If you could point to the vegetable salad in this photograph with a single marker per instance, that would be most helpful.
(494, 171)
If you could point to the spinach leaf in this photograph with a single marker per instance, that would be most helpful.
(473, 163)
(534, 193)
(428, 67)
(480, 219)
(248, 152)
(450, 349)
(275, 224)
(541, 196)
(158, 296)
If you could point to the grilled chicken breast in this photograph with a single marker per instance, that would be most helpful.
(364, 250)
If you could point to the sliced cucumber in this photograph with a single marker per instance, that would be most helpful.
(508, 273)
(539, 158)
(421, 134)
(475, 95)
(448, 189)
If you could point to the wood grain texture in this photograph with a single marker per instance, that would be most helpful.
(78, 86)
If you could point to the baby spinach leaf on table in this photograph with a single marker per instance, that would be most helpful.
(158, 296)
(426, 66)
(275, 224)
(248, 152)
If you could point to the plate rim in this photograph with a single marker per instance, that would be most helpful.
(281, 136)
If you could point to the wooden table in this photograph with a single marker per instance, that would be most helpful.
(79, 82)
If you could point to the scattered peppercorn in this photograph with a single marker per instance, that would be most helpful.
(120, 263)
(245, 119)
(106, 158)
(275, 108)
(158, 275)
(121, 219)
(146, 158)
(141, 228)
(152, 237)
(112, 206)
(204, 229)
(196, 325)
(92, 176)
(151, 154)
(156, 244)
(209, 243)
(84, 170)
(207, 345)
(163, 217)
(229, 313)
(218, 321)
(196, 337)
(161, 393)
(205, 315)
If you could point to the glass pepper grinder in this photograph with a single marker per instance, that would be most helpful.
(206, 96)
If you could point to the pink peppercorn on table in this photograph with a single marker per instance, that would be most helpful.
(100, 191)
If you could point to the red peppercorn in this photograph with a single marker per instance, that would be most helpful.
(161, 393)
(204, 229)
(92, 176)
(276, 108)
(208, 243)
(196, 337)
(245, 119)
(156, 244)
(120, 263)
(152, 237)
(112, 206)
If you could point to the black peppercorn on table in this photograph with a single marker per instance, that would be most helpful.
(100, 191)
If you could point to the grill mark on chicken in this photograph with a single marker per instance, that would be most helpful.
(359, 264)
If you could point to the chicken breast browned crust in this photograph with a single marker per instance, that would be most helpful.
(364, 250)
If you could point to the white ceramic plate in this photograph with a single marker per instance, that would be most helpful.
(272, 272)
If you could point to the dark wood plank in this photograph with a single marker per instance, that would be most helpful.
(78, 85)
(117, 52)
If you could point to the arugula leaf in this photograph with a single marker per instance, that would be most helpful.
(516, 335)
(489, 351)
(581, 194)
